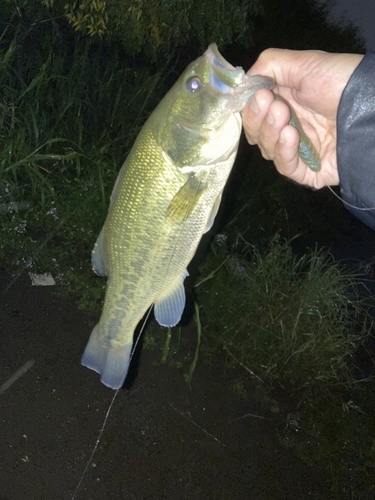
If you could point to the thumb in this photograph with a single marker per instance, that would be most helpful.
(287, 67)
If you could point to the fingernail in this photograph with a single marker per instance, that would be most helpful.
(283, 137)
(254, 105)
(270, 119)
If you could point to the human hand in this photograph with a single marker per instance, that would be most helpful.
(312, 82)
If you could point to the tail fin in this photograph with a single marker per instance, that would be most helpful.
(112, 364)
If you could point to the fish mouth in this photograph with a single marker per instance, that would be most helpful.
(224, 77)
(228, 79)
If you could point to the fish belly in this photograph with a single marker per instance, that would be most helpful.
(145, 252)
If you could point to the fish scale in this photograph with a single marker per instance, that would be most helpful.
(165, 198)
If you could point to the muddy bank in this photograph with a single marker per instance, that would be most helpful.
(162, 440)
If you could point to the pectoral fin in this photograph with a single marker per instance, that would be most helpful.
(170, 306)
(186, 199)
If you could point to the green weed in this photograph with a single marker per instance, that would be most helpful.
(69, 113)
(290, 320)
(295, 325)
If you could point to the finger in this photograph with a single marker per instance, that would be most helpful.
(311, 78)
(255, 112)
(286, 159)
(289, 164)
(269, 134)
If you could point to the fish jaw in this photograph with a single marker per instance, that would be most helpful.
(176, 171)
(233, 81)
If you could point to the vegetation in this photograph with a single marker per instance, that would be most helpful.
(68, 115)
(298, 329)
(158, 27)
(282, 315)
(70, 108)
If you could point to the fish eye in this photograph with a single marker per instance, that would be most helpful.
(193, 84)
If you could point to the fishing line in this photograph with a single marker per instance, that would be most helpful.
(96, 444)
(300, 130)
(135, 344)
(363, 209)
(109, 409)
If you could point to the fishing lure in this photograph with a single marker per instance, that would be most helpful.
(306, 150)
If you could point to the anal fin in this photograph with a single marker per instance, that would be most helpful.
(169, 307)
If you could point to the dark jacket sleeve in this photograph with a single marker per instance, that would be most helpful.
(356, 141)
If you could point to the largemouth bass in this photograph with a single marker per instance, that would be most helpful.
(166, 197)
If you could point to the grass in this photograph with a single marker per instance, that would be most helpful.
(295, 325)
(69, 113)
(290, 320)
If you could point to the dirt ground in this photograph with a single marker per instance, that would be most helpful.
(162, 440)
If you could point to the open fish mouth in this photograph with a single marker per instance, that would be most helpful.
(224, 76)
(239, 87)
(228, 79)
